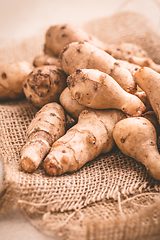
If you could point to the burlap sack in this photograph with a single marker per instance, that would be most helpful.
(112, 197)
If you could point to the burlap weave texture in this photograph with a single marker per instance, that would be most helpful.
(112, 197)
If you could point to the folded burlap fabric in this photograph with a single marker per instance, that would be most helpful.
(112, 197)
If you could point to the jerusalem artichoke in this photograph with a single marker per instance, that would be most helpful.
(84, 55)
(95, 89)
(144, 98)
(44, 84)
(149, 81)
(83, 142)
(12, 76)
(124, 50)
(71, 106)
(58, 36)
(45, 59)
(132, 53)
(137, 138)
(46, 127)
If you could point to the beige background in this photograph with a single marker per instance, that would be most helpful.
(20, 19)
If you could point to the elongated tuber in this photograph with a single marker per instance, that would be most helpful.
(95, 89)
(47, 126)
(84, 55)
(44, 84)
(70, 104)
(12, 76)
(149, 81)
(58, 36)
(91, 136)
(137, 138)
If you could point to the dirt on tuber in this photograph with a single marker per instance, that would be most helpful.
(137, 138)
(46, 127)
(95, 89)
(44, 84)
(83, 142)
(12, 76)
(79, 55)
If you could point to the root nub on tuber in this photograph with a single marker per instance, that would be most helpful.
(137, 138)
(70, 104)
(44, 84)
(83, 142)
(46, 127)
(95, 89)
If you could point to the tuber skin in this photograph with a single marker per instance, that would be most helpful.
(60, 35)
(91, 136)
(44, 84)
(145, 62)
(137, 138)
(95, 89)
(144, 98)
(71, 105)
(46, 127)
(149, 82)
(130, 66)
(78, 55)
(132, 53)
(12, 76)
(125, 50)
(45, 59)
(151, 116)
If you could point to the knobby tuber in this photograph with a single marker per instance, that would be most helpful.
(70, 104)
(132, 53)
(137, 138)
(149, 81)
(44, 84)
(95, 89)
(84, 55)
(12, 76)
(60, 35)
(83, 142)
(46, 127)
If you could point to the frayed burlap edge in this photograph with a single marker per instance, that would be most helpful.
(142, 223)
